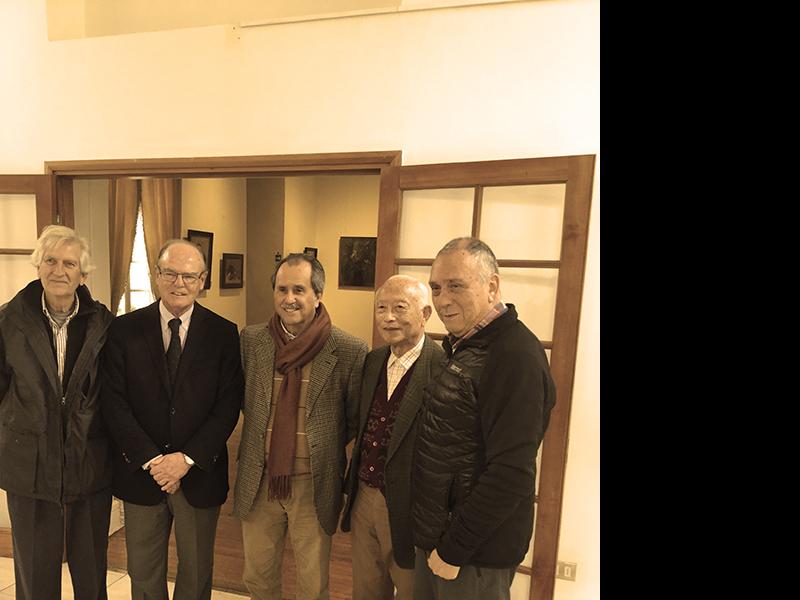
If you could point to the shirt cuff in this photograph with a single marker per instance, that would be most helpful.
(146, 465)
(188, 459)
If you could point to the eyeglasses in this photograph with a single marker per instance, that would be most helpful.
(172, 276)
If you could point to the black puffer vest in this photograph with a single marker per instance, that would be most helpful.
(447, 458)
(481, 424)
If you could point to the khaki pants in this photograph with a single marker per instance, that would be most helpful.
(263, 537)
(375, 573)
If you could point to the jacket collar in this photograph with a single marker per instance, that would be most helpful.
(488, 334)
(31, 296)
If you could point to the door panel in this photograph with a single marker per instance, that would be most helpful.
(508, 211)
(25, 209)
(534, 214)
(41, 186)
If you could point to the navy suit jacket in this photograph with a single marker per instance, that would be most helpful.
(145, 418)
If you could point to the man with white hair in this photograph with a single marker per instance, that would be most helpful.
(172, 389)
(54, 455)
(379, 480)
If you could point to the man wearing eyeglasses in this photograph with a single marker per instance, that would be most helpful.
(172, 389)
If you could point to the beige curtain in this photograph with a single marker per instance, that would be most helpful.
(122, 209)
(161, 218)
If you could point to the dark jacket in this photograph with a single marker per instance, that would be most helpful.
(483, 418)
(399, 454)
(53, 443)
(145, 419)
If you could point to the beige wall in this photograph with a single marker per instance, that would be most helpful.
(219, 206)
(265, 207)
(491, 82)
(315, 212)
(346, 206)
(321, 209)
(300, 212)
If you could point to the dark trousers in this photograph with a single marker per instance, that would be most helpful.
(472, 583)
(147, 530)
(38, 530)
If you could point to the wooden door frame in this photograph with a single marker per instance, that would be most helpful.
(349, 163)
(576, 171)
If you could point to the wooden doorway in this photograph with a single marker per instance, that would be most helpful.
(506, 203)
(574, 173)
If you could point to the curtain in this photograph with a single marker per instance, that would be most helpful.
(160, 217)
(122, 209)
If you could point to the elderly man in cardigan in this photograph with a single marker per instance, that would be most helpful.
(379, 502)
(302, 376)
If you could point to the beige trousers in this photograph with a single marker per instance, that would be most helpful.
(263, 537)
(375, 573)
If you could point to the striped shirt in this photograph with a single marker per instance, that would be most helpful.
(59, 326)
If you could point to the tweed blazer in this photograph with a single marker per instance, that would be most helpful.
(399, 454)
(331, 417)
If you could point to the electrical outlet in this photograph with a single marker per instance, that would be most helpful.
(566, 570)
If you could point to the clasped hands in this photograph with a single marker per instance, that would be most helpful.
(168, 470)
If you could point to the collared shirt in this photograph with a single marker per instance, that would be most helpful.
(183, 330)
(60, 334)
(397, 366)
(166, 335)
(494, 312)
(289, 335)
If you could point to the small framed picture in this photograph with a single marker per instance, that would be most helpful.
(310, 251)
(357, 262)
(205, 241)
(232, 270)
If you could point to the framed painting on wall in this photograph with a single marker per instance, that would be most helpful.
(232, 271)
(357, 262)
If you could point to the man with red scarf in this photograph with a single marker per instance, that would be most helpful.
(302, 376)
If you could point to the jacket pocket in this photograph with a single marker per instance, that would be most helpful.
(19, 453)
